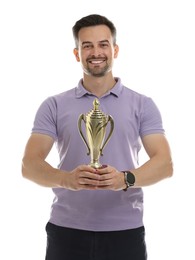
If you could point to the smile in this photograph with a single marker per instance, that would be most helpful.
(96, 61)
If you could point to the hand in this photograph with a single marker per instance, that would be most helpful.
(82, 177)
(110, 179)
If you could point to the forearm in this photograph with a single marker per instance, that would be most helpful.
(42, 173)
(153, 171)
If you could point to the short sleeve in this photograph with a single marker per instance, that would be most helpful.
(46, 118)
(151, 119)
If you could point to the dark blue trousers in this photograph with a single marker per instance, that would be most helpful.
(72, 244)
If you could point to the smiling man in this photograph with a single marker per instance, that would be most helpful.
(97, 213)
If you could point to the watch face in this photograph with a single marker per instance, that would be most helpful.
(130, 178)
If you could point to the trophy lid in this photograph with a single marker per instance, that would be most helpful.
(96, 112)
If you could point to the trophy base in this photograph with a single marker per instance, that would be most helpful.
(95, 165)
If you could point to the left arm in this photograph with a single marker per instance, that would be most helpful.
(158, 167)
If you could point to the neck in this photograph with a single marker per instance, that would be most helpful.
(98, 86)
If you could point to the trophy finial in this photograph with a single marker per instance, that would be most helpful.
(96, 104)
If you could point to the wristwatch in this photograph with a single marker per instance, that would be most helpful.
(129, 179)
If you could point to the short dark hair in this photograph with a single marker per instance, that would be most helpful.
(93, 20)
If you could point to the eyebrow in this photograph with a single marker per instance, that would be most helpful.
(88, 42)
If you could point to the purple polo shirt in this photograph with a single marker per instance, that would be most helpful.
(135, 116)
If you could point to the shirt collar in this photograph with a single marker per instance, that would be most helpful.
(116, 90)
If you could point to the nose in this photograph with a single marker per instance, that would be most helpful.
(96, 51)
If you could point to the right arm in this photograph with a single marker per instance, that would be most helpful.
(36, 169)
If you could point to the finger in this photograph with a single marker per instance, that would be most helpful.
(88, 181)
(86, 168)
(107, 182)
(104, 170)
(89, 175)
(103, 166)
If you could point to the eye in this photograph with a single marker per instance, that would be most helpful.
(104, 45)
(87, 46)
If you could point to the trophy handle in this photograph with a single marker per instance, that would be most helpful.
(110, 119)
(82, 117)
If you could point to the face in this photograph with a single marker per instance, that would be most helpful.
(96, 51)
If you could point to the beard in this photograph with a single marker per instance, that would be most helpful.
(97, 71)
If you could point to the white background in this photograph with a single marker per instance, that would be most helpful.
(157, 58)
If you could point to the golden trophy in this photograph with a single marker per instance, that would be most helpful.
(95, 125)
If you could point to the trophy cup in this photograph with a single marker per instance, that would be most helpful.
(95, 125)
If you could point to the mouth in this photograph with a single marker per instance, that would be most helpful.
(96, 61)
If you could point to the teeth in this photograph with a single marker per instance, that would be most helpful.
(96, 62)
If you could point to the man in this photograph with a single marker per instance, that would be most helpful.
(97, 213)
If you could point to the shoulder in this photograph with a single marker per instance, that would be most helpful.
(134, 94)
(60, 98)
(63, 95)
(136, 99)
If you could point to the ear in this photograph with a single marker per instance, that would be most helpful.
(76, 54)
(116, 50)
